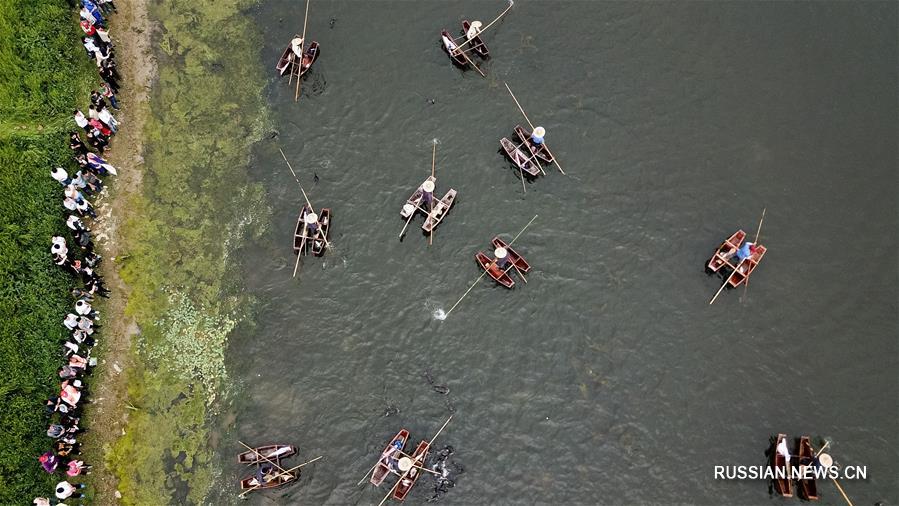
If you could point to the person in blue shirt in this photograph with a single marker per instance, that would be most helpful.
(745, 251)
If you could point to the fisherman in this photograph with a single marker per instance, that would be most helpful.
(450, 45)
(388, 456)
(783, 450)
(473, 30)
(745, 251)
(537, 135)
(296, 45)
(61, 175)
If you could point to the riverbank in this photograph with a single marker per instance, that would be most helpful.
(37, 96)
(197, 206)
(108, 411)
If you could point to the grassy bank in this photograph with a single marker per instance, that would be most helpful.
(42, 78)
(196, 206)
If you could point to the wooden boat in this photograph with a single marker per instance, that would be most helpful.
(382, 470)
(324, 222)
(415, 199)
(456, 56)
(280, 479)
(406, 484)
(271, 452)
(285, 61)
(745, 268)
(783, 486)
(808, 489)
(517, 260)
(439, 211)
(309, 57)
(493, 270)
(538, 150)
(477, 44)
(300, 235)
(517, 156)
(726, 251)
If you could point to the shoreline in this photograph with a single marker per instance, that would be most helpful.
(108, 412)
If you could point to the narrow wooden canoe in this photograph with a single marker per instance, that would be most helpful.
(808, 488)
(439, 211)
(493, 270)
(726, 251)
(520, 263)
(382, 470)
(324, 223)
(745, 268)
(456, 55)
(517, 156)
(538, 150)
(416, 197)
(271, 452)
(309, 56)
(783, 486)
(477, 43)
(285, 61)
(300, 236)
(406, 484)
(279, 480)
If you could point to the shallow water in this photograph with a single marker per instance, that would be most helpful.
(607, 378)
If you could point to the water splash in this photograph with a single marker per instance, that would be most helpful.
(439, 314)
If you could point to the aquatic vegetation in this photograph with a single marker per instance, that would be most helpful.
(197, 207)
(37, 95)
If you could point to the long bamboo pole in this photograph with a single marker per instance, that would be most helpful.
(311, 209)
(401, 478)
(296, 95)
(485, 271)
(756, 241)
(482, 30)
(433, 168)
(726, 281)
(555, 159)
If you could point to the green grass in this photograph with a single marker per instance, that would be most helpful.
(43, 76)
(195, 203)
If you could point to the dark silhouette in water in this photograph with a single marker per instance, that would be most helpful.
(446, 480)
(314, 178)
(440, 389)
(331, 23)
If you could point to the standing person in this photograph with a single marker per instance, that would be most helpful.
(100, 127)
(108, 76)
(76, 145)
(61, 175)
(90, 47)
(96, 98)
(94, 11)
(80, 120)
(107, 6)
(106, 117)
(106, 91)
(64, 490)
(97, 162)
(89, 29)
(41, 501)
(103, 33)
(49, 462)
(76, 467)
(70, 321)
(87, 16)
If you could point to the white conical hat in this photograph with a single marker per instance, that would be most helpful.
(428, 186)
(500, 252)
(404, 464)
(408, 208)
(825, 459)
(539, 131)
(311, 219)
(476, 24)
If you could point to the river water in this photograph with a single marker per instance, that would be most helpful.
(607, 378)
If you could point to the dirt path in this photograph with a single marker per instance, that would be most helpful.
(131, 30)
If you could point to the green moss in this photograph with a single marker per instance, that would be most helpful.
(207, 111)
(43, 76)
